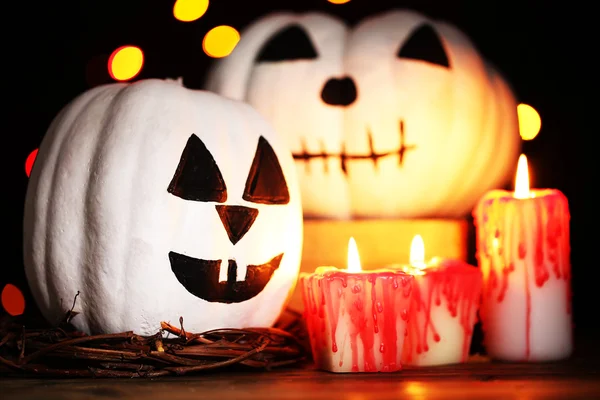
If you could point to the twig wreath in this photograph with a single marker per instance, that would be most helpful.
(65, 352)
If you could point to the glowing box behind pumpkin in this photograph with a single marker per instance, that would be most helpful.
(380, 243)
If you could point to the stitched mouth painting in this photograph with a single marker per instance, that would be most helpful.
(396, 117)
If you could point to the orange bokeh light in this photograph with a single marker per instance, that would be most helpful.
(338, 1)
(220, 41)
(189, 10)
(13, 300)
(29, 161)
(125, 63)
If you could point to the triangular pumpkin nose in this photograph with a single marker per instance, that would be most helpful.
(237, 220)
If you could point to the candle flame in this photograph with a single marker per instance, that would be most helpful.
(353, 258)
(522, 179)
(417, 252)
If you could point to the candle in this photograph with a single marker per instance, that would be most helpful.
(356, 319)
(523, 251)
(445, 300)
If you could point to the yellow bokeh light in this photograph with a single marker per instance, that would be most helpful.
(338, 1)
(220, 41)
(125, 63)
(530, 122)
(189, 10)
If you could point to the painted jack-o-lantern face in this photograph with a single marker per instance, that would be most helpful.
(397, 117)
(155, 202)
(198, 178)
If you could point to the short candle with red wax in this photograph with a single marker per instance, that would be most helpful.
(356, 319)
(443, 312)
(524, 254)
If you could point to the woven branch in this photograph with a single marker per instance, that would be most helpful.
(66, 352)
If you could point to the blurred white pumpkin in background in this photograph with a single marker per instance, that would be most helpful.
(399, 117)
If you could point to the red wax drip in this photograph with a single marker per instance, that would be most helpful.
(371, 303)
(537, 227)
(459, 285)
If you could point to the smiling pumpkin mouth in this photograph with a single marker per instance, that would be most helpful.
(305, 156)
(201, 278)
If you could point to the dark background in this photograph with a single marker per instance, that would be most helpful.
(53, 51)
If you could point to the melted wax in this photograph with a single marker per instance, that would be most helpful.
(510, 229)
(370, 304)
(454, 285)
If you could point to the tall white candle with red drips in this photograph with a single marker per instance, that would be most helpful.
(443, 312)
(524, 253)
(356, 319)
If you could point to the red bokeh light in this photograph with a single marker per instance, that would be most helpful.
(29, 161)
(13, 300)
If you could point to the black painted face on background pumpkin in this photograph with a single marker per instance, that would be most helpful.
(397, 117)
(293, 43)
(198, 178)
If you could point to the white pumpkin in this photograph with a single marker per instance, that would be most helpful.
(157, 202)
(397, 117)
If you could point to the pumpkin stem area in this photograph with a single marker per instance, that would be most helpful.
(178, 80)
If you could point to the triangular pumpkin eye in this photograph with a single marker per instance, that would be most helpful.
(266, 183)
(424, 44)
(291, 43)
(198, 177)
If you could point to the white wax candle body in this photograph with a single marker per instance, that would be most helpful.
(543, 335)
(523, 251)
(442, 315)
(356, 322)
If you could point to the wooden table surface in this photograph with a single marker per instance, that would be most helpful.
(577, 378)
(481, 379)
